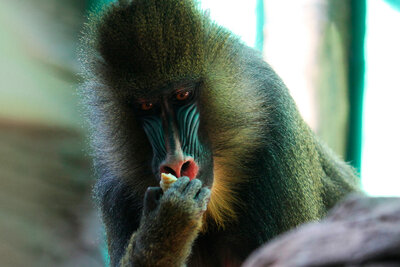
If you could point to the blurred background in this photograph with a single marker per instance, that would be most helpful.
(340, 60)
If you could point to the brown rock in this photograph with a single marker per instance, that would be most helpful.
(361, 231)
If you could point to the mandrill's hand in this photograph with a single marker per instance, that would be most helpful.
(187, 197)
(170, 222)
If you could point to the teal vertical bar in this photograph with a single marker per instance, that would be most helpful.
(356, 81)
(104, 251)
(260, 25)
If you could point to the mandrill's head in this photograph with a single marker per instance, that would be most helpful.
(167, 94)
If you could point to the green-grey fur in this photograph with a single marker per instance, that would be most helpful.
(278, 172)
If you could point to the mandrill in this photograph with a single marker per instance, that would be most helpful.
(170, 92)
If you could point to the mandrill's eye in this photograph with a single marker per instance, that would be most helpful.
(182, 95)
(146, 105)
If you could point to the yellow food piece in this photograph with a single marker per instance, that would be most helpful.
(167, 180)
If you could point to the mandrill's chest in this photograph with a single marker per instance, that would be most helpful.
(212, 251)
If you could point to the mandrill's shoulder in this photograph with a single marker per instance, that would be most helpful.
(256, 69)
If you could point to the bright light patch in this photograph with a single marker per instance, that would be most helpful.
(237, 15)
(380, 158)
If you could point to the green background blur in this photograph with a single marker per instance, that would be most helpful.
(47, 216)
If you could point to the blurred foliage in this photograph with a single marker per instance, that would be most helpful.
(45, 202)
(47, 215)
(37, 60)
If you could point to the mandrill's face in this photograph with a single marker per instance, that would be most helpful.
(171, 121)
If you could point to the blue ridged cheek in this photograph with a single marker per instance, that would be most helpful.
(153, 128)
(188, 121)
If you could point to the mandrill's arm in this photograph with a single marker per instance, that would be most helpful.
(170, 223)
